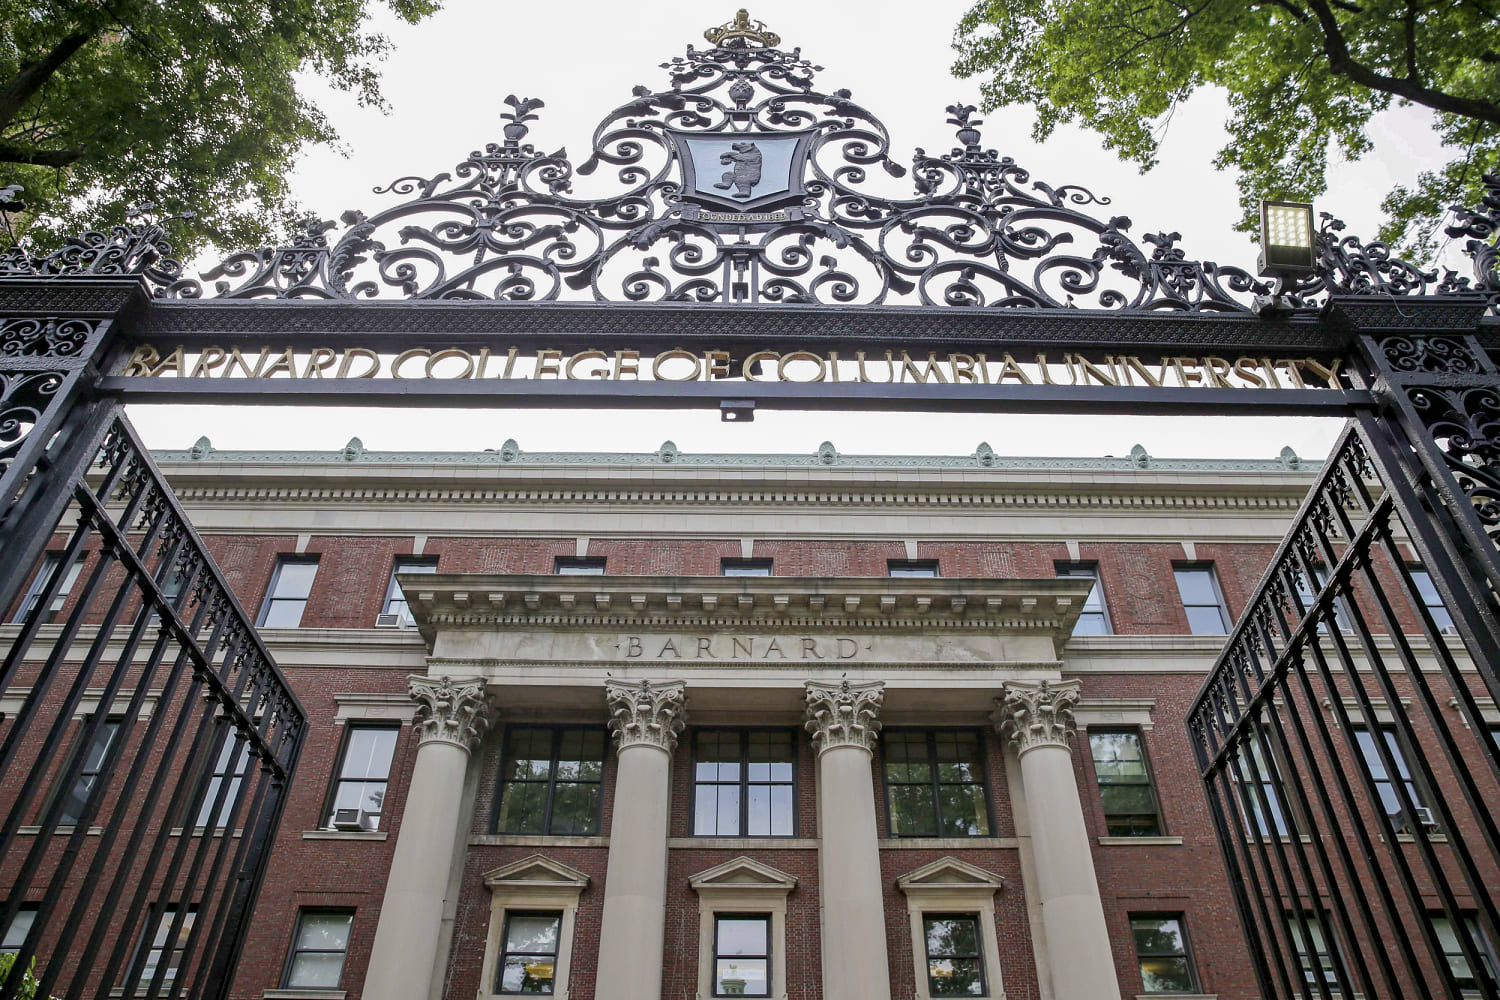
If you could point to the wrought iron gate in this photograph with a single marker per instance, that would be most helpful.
(1359, 856)
(1347, 734)
(147, 738)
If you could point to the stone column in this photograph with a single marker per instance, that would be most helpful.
(645, 719)
(450, 721)
(1038, 719)
(843, 719)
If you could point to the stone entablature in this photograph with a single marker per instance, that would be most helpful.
(636, 605)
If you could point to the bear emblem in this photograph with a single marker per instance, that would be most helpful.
(745, 173)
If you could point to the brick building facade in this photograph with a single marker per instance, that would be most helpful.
(677, 726)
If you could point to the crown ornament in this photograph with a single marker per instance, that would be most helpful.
(741, 30)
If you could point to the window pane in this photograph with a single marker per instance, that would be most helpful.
(532, 934)
(15, 934)
(1157, 935)
(284, 613)
(528, 975)
(729, 810)
(954, 977)
(575, 809)
(1206, 621)
(324, 931)
(316, 971)
(962, 810)
(741, 977)
(781, 811)
(948, 936)
(958, 757)
(912, 812)
(369, 752)
(706, 811)
(1091, 623)
(296, 579)
(1166, 975)
(522, 806)
(742, 935)
(1196, 586)
(580, 757)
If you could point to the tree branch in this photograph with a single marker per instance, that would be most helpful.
(33, 75)
(1336, 48)
(39, 157)
(1411, 41)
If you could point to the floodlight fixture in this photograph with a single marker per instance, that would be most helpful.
(1287, 247)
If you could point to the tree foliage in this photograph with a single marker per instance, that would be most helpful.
(1304, 77)
(189, 106)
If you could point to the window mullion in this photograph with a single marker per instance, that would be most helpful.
(937, 791)
(556, 751)
(744, 830)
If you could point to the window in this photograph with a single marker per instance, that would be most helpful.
(395, 612)
(955, 967)
(935, 784)
(1253, 779)
(742, 783)
(1431, 599)
(240, 750)
(1465, 976)
(318, 949)
(571, 566)
(1319, 963)
(1307, 592)
(550, 781)
(1201, 599)
(364, 769)
(287, 597)
(744, 567)
(162, 952)
(911, 567)
(1162, 951)
(39, 583)
(1125, 787)
(1095, 617)
(15, 934)
(742, 956)
(1385, 785)
(95, 755)
(528, 965)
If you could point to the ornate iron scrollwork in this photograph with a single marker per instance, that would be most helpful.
(741, 183)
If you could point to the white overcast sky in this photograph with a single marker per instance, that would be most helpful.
(446, 79)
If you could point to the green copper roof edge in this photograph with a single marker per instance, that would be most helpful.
(826, 456)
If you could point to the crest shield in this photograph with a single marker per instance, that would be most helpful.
(741, 171)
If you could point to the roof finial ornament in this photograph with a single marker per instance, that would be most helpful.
(736, 33)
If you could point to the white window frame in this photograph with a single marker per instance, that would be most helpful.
(531, 884)
(948, 886)
(742, 886)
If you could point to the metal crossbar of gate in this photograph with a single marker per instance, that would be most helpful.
(1346, 736)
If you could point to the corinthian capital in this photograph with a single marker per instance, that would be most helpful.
(646, 714)
(844, 714)
(1037, 715)
(448, 710)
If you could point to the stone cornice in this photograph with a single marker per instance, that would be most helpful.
(766, 603)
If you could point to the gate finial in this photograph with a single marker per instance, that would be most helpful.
(744, 30)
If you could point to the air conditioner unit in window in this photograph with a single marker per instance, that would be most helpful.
(1425, 817)
(388, 621)
(369, 821)
(349, 819)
